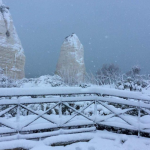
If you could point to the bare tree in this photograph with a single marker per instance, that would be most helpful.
(109, 73)
(136, 70)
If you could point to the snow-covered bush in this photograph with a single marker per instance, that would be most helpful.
(43, 81)
(133, 81)
(108, 74)
(130, 84)
(7, 82)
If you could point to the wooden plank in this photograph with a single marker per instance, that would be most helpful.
(47, 134)
(7, 92)
(75, 99)
(4, 130)
(7, 110)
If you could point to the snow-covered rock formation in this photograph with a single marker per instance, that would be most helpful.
(71, 65)
(12, 58)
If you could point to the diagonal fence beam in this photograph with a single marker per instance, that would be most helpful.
(3, 122)
(78, 113)
(146, 110)
(113, 115)
(4, 112)
(40, 115)
(106, 106)
(7, 110)
(36, 113)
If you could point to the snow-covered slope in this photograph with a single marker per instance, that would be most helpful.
(12, 58)
(71, 60)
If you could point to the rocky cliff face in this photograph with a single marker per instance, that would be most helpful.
(71, 65)
(12, 58)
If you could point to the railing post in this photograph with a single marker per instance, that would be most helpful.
(60, 110)
(139, 115)
(18, 118)
(95, 110)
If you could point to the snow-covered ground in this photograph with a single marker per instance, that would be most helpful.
(99, 140)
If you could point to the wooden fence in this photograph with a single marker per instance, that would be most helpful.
(32, 126)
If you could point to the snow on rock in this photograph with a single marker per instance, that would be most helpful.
(71, 65)
(12, 53)
(73, 40)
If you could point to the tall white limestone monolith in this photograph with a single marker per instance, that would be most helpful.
(12, 58)
(71, 65)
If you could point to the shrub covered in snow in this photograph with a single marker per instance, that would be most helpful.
(43, 81)
(6, 82)
(108, 74)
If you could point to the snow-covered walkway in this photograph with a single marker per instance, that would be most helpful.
(99, 140)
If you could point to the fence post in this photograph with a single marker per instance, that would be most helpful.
(95, 110)
(139, 115)
(18, 117)
(60, 110)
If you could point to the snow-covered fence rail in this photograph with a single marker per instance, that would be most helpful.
(68, 90)
(110, 108)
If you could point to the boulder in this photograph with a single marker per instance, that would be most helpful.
(71, 65)
(12, 58)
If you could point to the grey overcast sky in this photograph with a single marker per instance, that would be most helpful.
(111, 31)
